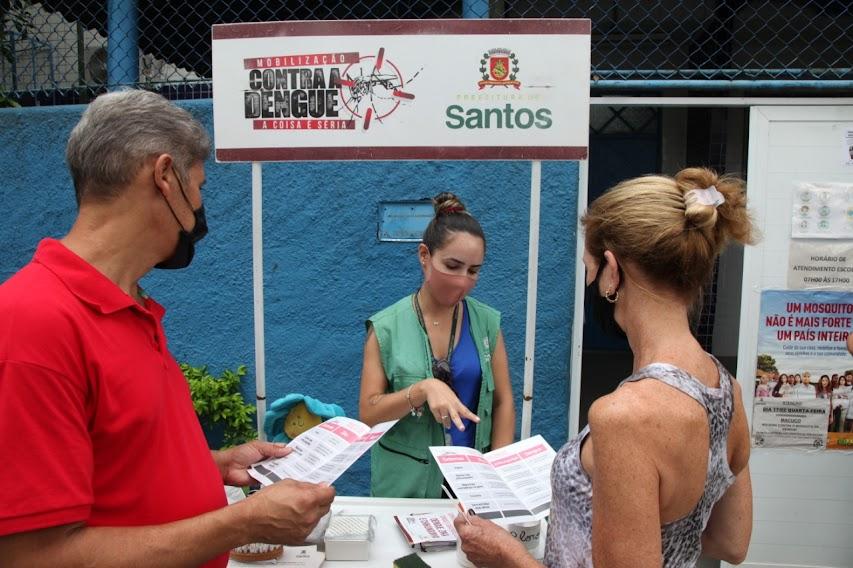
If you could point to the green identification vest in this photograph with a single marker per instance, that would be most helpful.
(401, 463)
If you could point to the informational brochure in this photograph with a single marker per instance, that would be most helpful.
(512, 483)
(323, 453)
(431, 530)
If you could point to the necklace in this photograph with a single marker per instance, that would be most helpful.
(441, 368)
(420, 315)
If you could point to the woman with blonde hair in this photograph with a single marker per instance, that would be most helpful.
(660, 474)
(762, 389)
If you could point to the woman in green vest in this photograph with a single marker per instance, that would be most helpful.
(436, 360)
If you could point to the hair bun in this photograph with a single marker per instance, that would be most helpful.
(720, 219)
(700, 213)
(672, 236)
(447, 203)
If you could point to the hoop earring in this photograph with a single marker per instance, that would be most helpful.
(611, 297)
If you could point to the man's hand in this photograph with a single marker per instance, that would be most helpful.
(234, 462)
(287, 511)
(487, 544)
(283, 513)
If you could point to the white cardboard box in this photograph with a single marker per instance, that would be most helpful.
(348, 537)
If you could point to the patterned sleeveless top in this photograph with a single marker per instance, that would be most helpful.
(569, 542)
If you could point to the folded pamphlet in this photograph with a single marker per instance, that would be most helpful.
(511, 483)
(428, 531)
(323, 453)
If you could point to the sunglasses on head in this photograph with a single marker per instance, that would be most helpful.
(441, 371)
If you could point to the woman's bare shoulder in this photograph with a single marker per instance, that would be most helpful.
(645, 406)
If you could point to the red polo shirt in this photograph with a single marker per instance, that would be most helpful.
(96, 420)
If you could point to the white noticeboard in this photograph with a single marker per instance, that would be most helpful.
(803, 501)
(401, 89)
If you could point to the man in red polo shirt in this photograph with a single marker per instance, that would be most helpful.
(103, 460)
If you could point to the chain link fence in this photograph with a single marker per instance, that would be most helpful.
(55, 51)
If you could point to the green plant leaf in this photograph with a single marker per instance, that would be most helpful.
(218, 401)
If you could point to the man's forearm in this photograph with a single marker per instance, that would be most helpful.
(189, 542)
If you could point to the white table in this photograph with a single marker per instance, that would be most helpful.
(389, 543)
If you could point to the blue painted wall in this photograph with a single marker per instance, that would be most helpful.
(325, 270)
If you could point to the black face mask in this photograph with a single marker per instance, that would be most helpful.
(603, 311)
(185, 249)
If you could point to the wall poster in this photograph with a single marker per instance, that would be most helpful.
(804, 374)
(822, 210)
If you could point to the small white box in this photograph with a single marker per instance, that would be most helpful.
(348, 537)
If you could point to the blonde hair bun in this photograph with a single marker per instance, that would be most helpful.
(721, 222)
(672, 228)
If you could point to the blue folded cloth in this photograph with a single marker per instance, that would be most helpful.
(277, 412)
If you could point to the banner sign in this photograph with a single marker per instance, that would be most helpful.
(402, 89)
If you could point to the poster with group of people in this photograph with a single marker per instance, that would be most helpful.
(804, 374)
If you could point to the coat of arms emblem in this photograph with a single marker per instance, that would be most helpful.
(499, 67)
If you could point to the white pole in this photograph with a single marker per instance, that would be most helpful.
(576, 357)
(532, 276)
(258, 296)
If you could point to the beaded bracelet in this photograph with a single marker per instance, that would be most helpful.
(417, 412)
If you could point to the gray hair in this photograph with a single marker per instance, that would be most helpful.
(119, 131)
